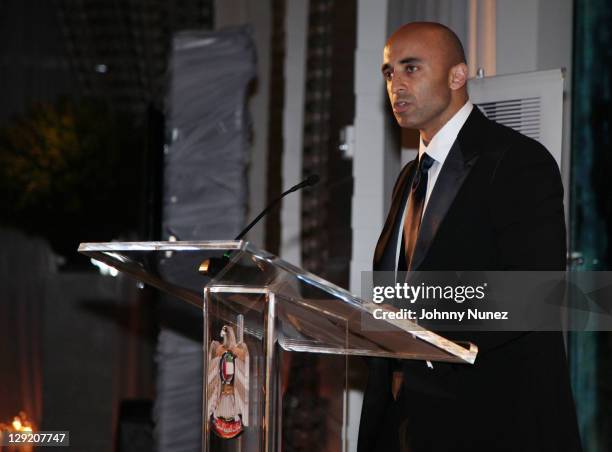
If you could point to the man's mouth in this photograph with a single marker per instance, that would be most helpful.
(400, 106)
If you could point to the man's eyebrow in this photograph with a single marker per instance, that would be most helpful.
(409, 60)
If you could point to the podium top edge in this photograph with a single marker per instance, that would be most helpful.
(164, 246)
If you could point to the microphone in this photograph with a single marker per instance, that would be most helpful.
(309, 181)
(213, 265)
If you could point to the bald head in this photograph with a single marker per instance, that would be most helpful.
(441, 38)
(426, 73)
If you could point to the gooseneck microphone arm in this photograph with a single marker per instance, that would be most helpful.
(213, 265)
(308, 182)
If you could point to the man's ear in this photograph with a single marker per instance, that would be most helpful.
(458, 76)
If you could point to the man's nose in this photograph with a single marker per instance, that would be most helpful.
(398, 83)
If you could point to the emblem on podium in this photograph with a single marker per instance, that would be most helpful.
(228, 383)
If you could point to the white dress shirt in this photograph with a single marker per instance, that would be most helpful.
(438, 149)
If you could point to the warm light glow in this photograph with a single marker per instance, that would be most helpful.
(17, 424)
(204, 266)
(20, 424)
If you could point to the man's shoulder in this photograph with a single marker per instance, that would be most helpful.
(510, 145)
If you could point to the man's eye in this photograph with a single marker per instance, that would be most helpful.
(411, 69)
(387, 75)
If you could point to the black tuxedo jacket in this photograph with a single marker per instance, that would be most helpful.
(497, 205)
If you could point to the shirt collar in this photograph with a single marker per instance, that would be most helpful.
(443, 140)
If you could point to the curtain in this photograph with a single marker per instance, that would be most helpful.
(591, 210)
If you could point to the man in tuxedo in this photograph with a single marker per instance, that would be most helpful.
(480, 196)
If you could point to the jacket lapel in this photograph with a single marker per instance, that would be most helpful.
(457, 166)
(384, 255)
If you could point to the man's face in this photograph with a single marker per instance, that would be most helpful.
(417, 78)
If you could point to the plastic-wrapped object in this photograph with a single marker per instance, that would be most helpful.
(205, 196)
(204, 177)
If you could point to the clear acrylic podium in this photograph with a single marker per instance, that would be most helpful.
(254, 304)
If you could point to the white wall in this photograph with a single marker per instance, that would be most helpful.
(368, 207)
(517, 36)
(535, 35)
